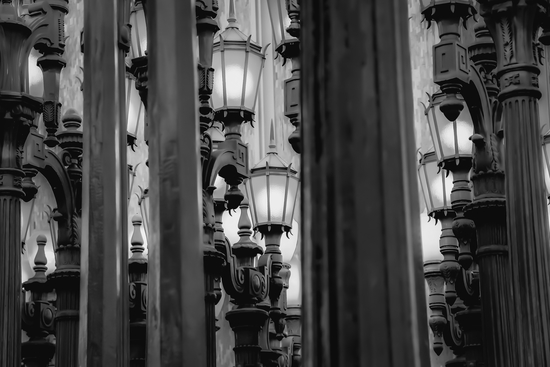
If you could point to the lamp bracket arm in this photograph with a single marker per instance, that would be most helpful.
(478, 98)
(47, 22)
(245, 284)
(219, 160)
(67, 205)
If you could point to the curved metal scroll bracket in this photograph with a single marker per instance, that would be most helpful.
(59, 180)
(246, 284)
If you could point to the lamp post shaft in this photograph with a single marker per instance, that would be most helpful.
(16, 115)
(104, 298)
(513, 28)
(358, 178)
(175, 311)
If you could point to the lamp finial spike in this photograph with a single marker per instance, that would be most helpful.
(232, 20)
(272, 144)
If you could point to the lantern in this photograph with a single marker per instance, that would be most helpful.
(451, 139)
(436, 185)
(273, 191)
(238, 64)
(280, 21)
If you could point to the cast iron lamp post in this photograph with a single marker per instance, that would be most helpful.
(39, 29)
(499, 83)
(285, 21)
(273, 191)
(444, 320)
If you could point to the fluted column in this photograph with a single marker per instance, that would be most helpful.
(16, 115)
(514, 28)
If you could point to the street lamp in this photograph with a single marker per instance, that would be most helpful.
(435, 186)
(450, 138)
(238, 64)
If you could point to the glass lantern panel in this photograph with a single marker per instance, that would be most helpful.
(292, 192)
(546, 163)
(217, 92)
(277, 196)
(452, 138)
(139, 32)
(254, 73)
(436, 186)
(294, 292)
(259, 198)
(135, 109)
(36, 79)
(234, 77)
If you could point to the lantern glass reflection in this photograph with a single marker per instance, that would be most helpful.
(139, 31)
(294, 292)
(36, 79)
(451, 139)
(435, 183)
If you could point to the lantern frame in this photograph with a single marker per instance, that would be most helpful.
(270, 167)
(426, 176)
(233, 40)
(438, 125)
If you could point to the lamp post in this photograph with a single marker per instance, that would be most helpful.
(273, 191)
(511, 58)
(284, 15)
(39, 28)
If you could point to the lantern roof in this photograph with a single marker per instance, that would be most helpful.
(232, 33)
(272, 160)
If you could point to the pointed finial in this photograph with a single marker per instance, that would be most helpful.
(232, 20)
(272, 144)
(137, 239)
(40, 260)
